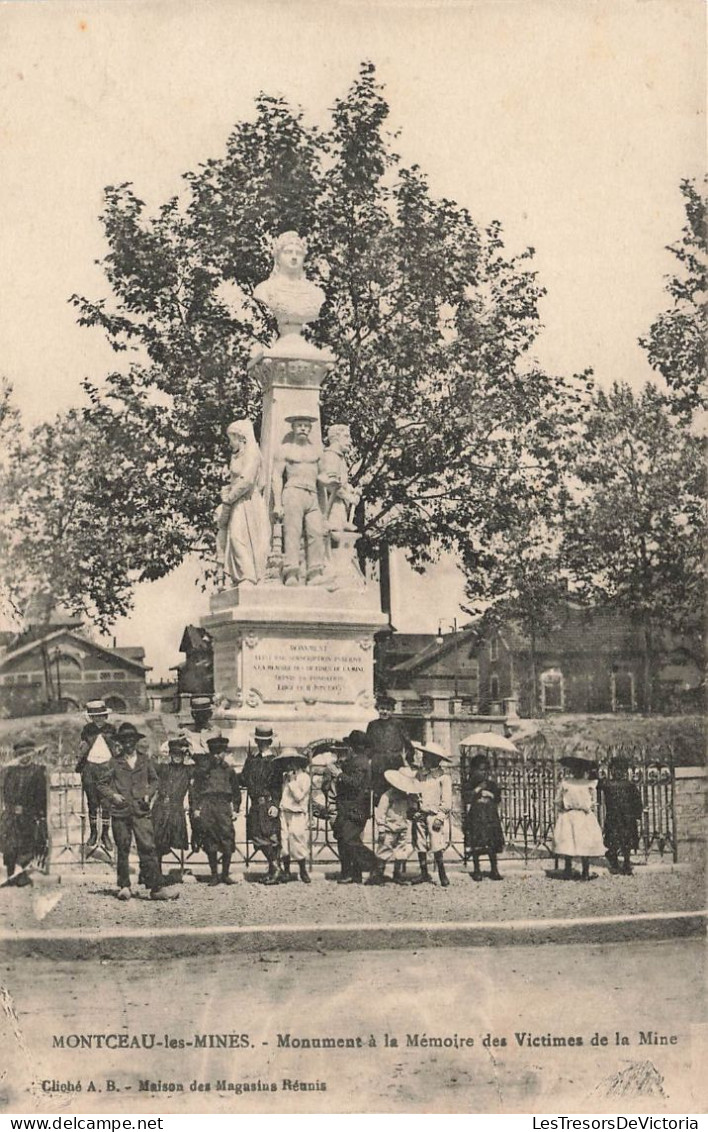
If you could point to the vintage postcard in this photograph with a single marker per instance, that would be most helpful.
(352, 414)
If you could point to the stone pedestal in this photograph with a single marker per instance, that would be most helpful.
(299, 658)
(290, 375)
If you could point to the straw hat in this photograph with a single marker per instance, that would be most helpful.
(406, 783)
(433, 749)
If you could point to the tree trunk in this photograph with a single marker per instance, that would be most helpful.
(385, 578)
(534, 675)
(648, 642)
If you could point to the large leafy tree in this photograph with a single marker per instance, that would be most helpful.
(430, 321)
(56, 481)
(676, 343)
(635, 534)
(512, 556)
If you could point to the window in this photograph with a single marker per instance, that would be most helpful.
(9, 679)
(23, 678)
(119, 676)
(494, 648)
(622, 689)
(105, 675)
(494, 688)
(552, 690)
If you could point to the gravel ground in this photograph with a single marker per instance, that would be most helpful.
(89, 901)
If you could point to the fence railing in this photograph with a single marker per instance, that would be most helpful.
(528, 786)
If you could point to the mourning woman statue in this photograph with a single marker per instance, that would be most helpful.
(293, 299)
(243, 536)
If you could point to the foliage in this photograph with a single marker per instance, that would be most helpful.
(676, 343)
(430, 321)
(60, 477)
(635, 533)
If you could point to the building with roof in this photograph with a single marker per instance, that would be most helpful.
(592, 660)
(433, 681)
(55, 666)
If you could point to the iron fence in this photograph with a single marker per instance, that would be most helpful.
(528, 784)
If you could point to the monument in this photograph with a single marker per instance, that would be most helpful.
(293, 630)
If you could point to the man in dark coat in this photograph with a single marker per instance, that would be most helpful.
(97, 745)
(127, 787)
(24, 833)
(261, 778)
(389, 746)
(219, 800)
(352, 776)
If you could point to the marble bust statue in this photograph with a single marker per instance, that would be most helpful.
(292, 297)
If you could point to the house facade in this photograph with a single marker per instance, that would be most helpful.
(591, 661)
(433, 682)
(59, 669)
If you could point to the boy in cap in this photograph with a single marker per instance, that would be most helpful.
(168, 816)
(127, 788)
(431, 824)
(219, 800)
(352, 775)
(261, 779)
(96, 748)
(393, 825)
(24, 835)
(623, 813)
(200, 730)
(389, 745)
(294, 806)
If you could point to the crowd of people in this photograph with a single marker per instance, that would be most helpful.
(189, 798)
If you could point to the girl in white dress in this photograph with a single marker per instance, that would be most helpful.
(577, 831)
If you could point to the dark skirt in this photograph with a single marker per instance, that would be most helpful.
(483, 829)
(623, 809)
(170, 824)
(262, 830)
(216, 829)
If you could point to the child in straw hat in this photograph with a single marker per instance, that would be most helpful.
(431, 824)
(393, 825)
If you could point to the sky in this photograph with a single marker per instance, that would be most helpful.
(572, 123)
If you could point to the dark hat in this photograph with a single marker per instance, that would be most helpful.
(129, 731)
(178, 745)
(619, 762)
(96, 707)
(200, 703)
(578, 762)
(266, 734)
(478, 760)
(385, 702)
(218, 743)
(357, 740)
(23, 746)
